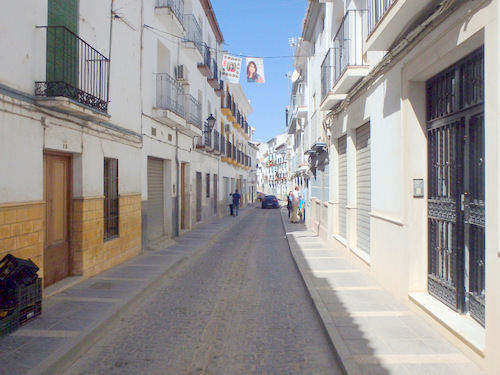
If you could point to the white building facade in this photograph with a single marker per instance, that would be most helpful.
(273, 166)
(113, 130)
(399, 128)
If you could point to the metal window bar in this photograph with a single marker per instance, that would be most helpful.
(207, 136)
(169, 94)
(177, 7)
(193, 31)
(214, 69)
(111, 198)
(348, 42)
(193, 111)
(207, 56)
(222, 144)
(327, 74)
(229, 149)
(234, 152)
(376, 10)
(75, 70)
(216, 136)
(233, 107)
(226, 100)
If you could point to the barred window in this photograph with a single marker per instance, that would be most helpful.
(208, 184)
(110, 198)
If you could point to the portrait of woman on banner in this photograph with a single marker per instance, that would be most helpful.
(252, 75)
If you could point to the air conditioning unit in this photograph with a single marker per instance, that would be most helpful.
(181, 73)
(227, 128)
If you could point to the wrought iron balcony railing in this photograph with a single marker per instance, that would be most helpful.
(216, 136)
(376, 10)
(193, 111)
(347, 50)
(74, 70)
(348, 42)
(215, 71)
(222, 145)
(207, 136)
(226, 101)
(193, 31)
(177, 7)
(169, 94)
(327, 74)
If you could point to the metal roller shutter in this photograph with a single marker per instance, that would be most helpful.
(363, 182)
(155, 199)
(343, 186)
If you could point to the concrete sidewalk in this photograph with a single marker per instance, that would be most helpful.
(371, 332)
(76, 313)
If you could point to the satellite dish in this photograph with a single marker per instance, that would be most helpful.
(295, 75)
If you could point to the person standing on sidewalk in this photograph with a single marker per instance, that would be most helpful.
(230, 203)
(295, 204)
(236, 202)
(289, 203)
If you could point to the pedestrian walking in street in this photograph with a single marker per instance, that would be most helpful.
(236, 202)
(289, 203)
(230, 203)
(301, 208)
(295, 204)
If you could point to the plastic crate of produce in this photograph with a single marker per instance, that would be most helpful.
(29, 313)
(10, 323)
(21, 271)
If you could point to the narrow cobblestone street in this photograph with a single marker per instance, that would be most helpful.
(237, 307)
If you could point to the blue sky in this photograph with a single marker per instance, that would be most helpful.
(261, 28)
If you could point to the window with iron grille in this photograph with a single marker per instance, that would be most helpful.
(111, 202)
(208, 184)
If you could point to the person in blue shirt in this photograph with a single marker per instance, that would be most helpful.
(236, 202)
(301, 208)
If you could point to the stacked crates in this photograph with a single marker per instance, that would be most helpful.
(20, 293)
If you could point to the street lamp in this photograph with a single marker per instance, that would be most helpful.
(209, 124)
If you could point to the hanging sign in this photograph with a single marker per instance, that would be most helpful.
(255, 69)
(231, 68)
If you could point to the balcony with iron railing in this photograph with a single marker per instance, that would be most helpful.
(344, 65)
(171, 12)
(387, 19)
(193, 111)
(193, 37)
(222, 145)
(170, 100)
(228, 106)
(207, 136)
(237, 120)
(213, 79)
(298, 107)
(205, 65)
(216, 141)
(75, 71)
(219, 90)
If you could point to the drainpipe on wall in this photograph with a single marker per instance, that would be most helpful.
(177, 183)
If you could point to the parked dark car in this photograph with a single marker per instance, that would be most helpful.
(270, 201)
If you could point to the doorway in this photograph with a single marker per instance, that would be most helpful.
(456, 205)
(56, 254)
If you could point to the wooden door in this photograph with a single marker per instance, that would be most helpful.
(56, 196)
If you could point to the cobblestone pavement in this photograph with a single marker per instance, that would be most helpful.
(239, 307)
